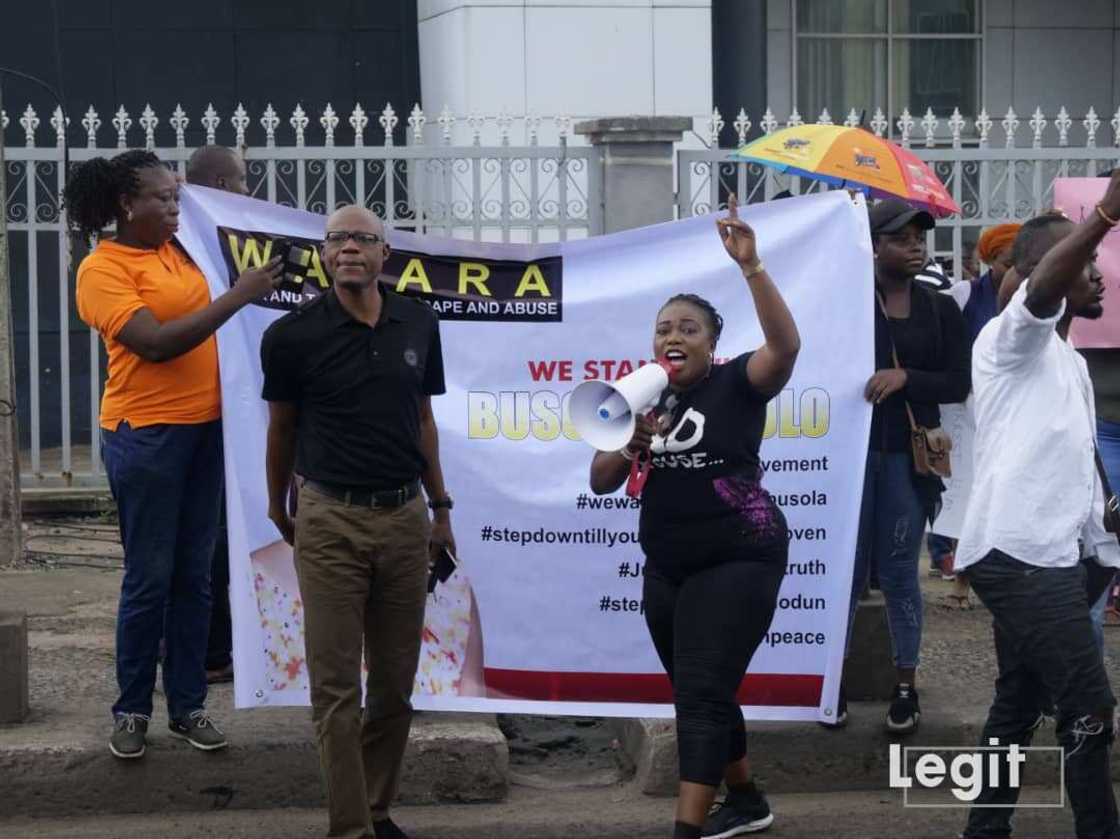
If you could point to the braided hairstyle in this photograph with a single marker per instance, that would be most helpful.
(715, 321)
(92, 196)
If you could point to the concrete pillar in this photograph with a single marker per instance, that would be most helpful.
(637, 155)
(13, 667)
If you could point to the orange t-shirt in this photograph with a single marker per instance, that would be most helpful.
(115, 282)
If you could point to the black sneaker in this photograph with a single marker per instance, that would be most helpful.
(743, 811)
(199, 730)
(841, 712)
(128, 735)
(904, 713)
(387, 829)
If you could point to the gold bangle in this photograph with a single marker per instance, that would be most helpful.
(627, 455)
(754, 270)
(1111, 222)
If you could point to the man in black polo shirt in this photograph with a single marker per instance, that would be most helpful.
(348, 378)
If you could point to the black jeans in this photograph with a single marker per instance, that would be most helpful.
(706, 626)
(1048, 659)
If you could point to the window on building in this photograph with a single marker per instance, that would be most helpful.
(889, 54)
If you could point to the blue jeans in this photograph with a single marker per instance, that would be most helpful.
(167, 482)
(1108, 443)
(891, 526)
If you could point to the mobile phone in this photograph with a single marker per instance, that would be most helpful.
(293, 265)
(442, 568)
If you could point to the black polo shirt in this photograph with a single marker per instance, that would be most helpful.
(358, 388)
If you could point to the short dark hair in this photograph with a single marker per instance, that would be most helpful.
(715, 321)
(206, 162)
(1034, 239)
(94, 187)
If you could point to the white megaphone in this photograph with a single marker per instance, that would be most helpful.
(605, 413)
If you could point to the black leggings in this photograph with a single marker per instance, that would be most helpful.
(706, 626)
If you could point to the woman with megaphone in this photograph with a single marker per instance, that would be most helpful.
(715, 542)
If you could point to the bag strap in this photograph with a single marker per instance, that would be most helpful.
(894, 358)
(1110, 500)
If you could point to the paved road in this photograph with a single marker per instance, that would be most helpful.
(537, 814)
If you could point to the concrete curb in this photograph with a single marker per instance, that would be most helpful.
(450, 758)
(807, 758)
(65, 501)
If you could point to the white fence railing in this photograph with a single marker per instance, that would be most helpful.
(992, 182)
(498, 192)
(470, 177)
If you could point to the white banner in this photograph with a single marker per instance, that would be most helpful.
(544, 614)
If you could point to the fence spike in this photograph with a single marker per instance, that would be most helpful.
(299, 121)
(742, 125)
(416, 121)
(905, 127)
(210, 121)
(122, 122)
(388, 122)
(879, 123)
(149, 121)
(90, 122)
(179, 121)
(358, 121)
(240, 122)
(1010, 125)
(270, 121)
(929, 126)
(1038, 124)
(329, 121)
(715, 127)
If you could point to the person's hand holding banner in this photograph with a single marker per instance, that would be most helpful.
(255, 283)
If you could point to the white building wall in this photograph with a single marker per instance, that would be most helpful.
(578, 58)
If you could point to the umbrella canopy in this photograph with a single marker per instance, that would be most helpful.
(852, 158)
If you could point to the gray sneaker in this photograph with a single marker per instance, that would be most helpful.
(128, 735)
(199, 730)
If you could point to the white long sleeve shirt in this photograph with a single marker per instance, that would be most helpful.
(1035, 489)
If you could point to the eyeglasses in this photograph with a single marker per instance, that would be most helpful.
(340, 237)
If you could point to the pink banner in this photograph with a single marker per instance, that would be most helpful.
(1077, 197)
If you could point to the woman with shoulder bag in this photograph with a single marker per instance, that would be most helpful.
(922, 359)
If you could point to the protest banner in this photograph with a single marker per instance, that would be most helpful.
(544, 614)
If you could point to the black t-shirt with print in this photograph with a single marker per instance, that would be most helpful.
(704, 492)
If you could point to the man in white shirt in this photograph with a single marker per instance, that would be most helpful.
(1036, 496)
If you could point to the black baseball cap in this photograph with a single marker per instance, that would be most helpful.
(892, 214)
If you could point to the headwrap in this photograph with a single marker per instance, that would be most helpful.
(995, 241)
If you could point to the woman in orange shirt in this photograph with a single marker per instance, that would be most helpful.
(160, 429)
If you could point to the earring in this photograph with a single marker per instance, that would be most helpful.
(128, 214)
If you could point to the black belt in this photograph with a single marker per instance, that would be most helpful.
(367, 497)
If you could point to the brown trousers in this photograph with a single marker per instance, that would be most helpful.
(363, 578)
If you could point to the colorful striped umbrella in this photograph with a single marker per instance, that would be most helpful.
(852, 158)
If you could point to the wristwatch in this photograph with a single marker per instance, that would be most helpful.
(445, 503)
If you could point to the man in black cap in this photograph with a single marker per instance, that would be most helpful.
(929, 335)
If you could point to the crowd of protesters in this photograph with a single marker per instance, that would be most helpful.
(994, 340)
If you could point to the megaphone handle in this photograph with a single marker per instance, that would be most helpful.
(639, 474)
